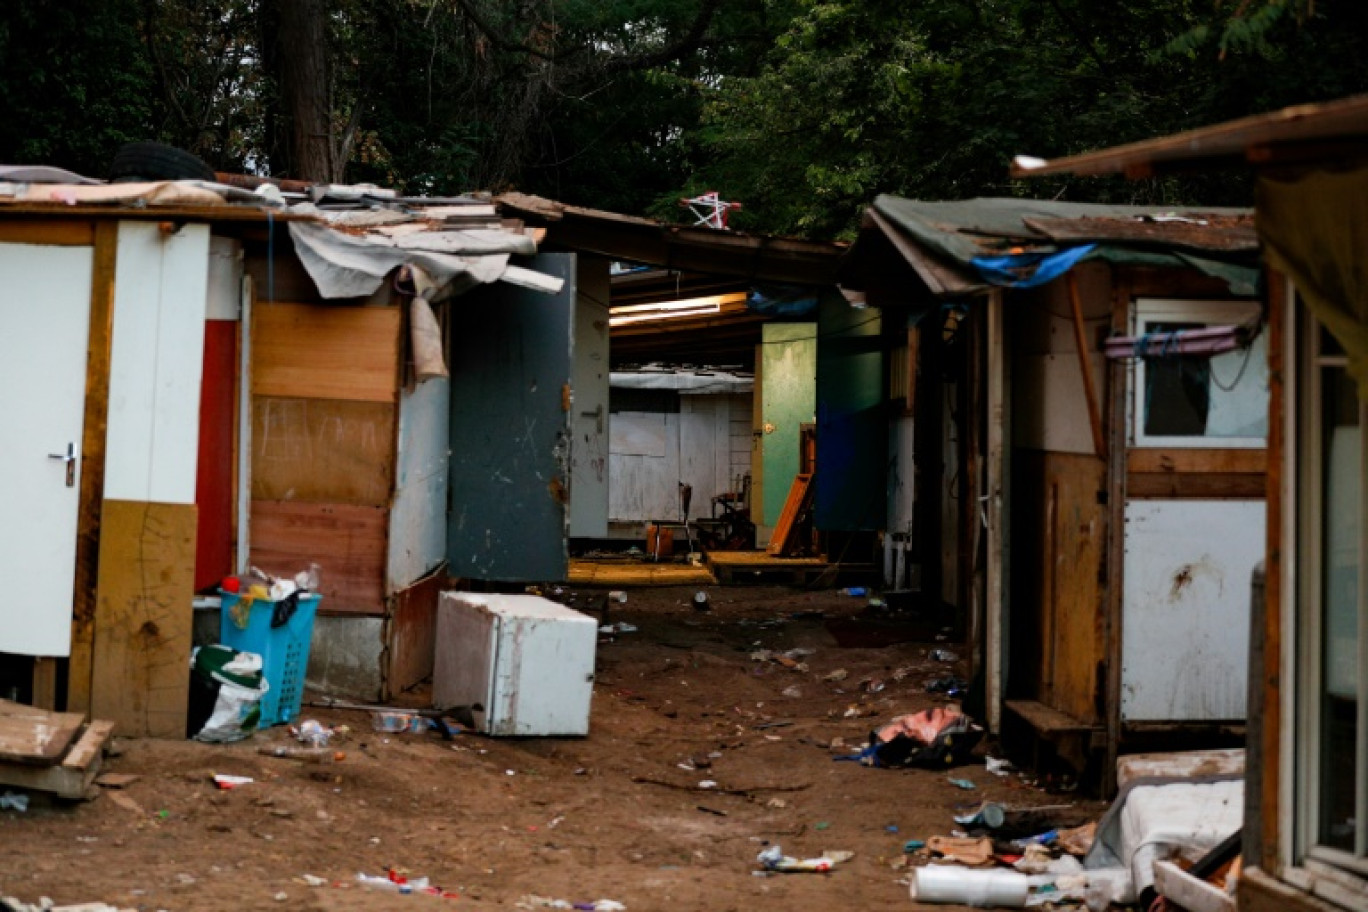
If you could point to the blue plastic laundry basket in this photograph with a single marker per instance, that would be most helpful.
(284, 650)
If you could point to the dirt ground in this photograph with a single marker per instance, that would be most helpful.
(609, 816)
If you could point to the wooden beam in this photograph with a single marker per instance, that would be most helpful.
(1085, 365)
(45, 682)
(1200, 462)
(1114, 563)
(1196, 486)
(49, 233)
(1281, 312)
(94, 427)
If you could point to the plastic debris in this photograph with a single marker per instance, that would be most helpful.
(793, 692)
(989, 814)
(231, 782)
(839, 674)
(942, 655)
(619, 627)
(962, 784)
(855, 591)
(774, 859)
(315, 733)
(913, 845)
(394, 721)
(532, 901)
(14, 801)
(998, 767)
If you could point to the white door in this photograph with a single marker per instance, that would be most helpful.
(44, 325)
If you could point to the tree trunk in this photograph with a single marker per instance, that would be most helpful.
(297, 38)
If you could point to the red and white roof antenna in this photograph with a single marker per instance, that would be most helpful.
(710, 210)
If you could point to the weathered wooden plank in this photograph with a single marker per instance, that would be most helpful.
(1266, 768)
(1209, 462)
(1046, 719)
(326, 352)
(88, 748)
(73, 776)
(798, 496)
(347, 541)
(48, 232)
(413, 633)
(323, 450)
(1167, 486)
(32, 735)
(45, 682)
(143, 617)
(98, 355)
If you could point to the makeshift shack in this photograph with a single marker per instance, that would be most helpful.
(1077, 477)
(1306, 811)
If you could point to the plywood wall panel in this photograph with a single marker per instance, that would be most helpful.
(326, 352)
(143, 618)
(322, 451)
(346, 540)
(1079, 537)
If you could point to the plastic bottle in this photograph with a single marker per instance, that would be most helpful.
(855, 590)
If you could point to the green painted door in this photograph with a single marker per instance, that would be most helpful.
(788, 400)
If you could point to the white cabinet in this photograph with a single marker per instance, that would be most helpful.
(528, 661)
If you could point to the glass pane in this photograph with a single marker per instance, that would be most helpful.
(1342, 447)
(1224, 396)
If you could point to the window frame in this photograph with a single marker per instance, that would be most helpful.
(1332, 873)
(1228, 312)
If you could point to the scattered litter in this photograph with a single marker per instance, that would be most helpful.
(962, 849)
(855, 591)
(913, 845)
(989, 814)
(708, 784)
(952, 686)
(793, 692)
(938, 737)
(713, 811)
(998, 767)
(394, 721)
(532, 901)
(774, 859)
(15, 801)
(700, 601)
(962, 784)
(307, 754)
(839, 674)
(313, 880)
(823, 825)
(315, 733)
(942, 655)
(871, 685)
(1078, 840)
(619, 627)
(901, 673)
(776, 803)
(231, 782)
(891, 828)
(394, 881)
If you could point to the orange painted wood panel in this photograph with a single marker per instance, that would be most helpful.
(53, 232)
(323, 451)
(317, 351)
(347, 541)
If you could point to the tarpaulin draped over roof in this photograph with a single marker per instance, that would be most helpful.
(345, 265)
(967, 240)
(685, 382)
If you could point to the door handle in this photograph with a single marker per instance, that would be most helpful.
(69, 457)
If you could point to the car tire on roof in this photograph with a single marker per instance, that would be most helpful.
(157, 161)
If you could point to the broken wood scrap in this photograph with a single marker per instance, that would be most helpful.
(743, 792)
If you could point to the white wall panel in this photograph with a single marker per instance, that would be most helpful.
(156, 363)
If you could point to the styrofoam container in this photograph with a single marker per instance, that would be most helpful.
(991, 888)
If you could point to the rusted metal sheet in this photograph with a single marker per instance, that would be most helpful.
(412, 633)
(510, 433)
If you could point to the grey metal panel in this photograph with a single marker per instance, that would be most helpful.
(511, 363)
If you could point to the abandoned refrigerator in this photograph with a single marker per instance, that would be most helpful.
(527, 661)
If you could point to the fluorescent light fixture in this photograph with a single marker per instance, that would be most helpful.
(671, 310)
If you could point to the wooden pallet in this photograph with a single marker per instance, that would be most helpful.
(50, 752)
(732, 567)
(622, 575)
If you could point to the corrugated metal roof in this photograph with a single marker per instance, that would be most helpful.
(1257, 139)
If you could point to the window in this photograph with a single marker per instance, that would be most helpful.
(1221, 401)
(1332, 698)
